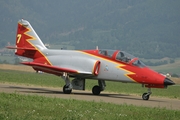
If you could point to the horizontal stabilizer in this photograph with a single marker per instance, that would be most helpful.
(20, 48)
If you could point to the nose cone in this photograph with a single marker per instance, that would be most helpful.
(167, 81)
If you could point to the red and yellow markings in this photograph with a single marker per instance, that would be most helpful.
(27, 39)
(123, 67)
(120, 66)
(18, 37)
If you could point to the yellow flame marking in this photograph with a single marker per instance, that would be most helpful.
(33, 38)
(119, 66)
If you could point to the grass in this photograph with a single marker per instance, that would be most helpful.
(29, 78)
(29, 107)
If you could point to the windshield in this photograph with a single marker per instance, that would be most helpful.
(138, 63)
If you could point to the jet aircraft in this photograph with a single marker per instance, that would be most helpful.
(99, 64)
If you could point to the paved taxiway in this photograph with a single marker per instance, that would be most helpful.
(87, 95)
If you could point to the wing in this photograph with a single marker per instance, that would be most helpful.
(56, 69)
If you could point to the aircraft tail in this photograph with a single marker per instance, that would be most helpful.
(28, 43)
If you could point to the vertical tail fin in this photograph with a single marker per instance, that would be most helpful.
(28, 43)
(27, 37)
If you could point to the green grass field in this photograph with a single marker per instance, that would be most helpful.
(48, 80)
(26, 107)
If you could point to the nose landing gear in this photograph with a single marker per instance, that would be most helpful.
(146, 96)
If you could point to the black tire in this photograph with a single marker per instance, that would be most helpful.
(65, 91)
(96, 90)
(145, 96)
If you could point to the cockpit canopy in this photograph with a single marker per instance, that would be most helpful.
(122, 56)
(108, 53)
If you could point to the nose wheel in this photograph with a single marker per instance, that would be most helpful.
(146, 96)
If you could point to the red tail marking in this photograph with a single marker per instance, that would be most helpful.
(25, 48)
(22, 37)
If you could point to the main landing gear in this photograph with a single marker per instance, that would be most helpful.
(67, 89)
(96, 90)
(146, 96)
(79, 84)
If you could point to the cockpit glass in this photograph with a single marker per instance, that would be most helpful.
(108, 53)
(126, 57)
(138, 63)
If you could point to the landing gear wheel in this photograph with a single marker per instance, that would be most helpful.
(96, 90)
(66, 90)
(145, 96)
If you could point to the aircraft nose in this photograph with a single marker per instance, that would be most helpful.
(167, 81)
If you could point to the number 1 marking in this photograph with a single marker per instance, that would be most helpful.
(19, 38)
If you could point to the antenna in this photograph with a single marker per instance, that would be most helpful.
(96, 47)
